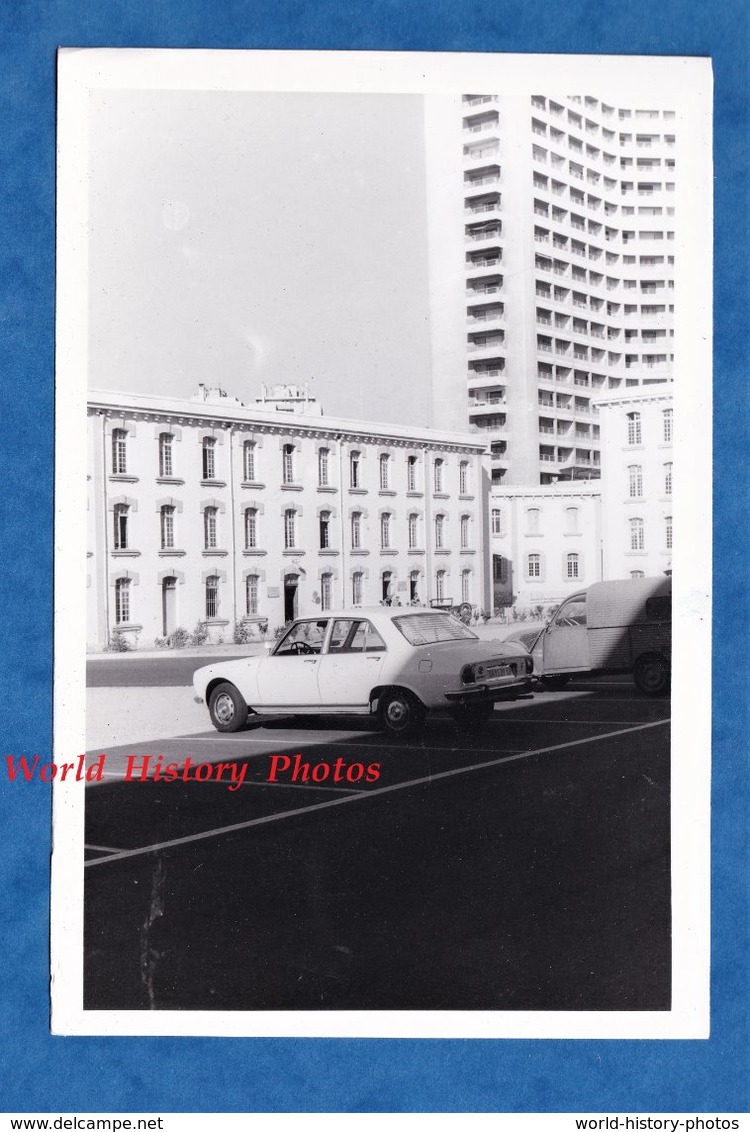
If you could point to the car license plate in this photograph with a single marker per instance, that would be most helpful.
(499, 670)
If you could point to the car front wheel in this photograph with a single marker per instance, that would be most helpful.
(651, 675)
(227, 708)
(399, 712)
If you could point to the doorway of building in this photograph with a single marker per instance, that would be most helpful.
(168, 606)
(290, 596)
(386, 587)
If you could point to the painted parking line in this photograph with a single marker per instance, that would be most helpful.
(379, 792)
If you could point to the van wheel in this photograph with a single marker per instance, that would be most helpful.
(652, 675)
(227, 708)
(554, 683)
(399, 712)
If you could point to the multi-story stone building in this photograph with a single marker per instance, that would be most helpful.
(207, 510)
(552, 251)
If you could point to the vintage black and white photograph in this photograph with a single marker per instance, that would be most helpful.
(383, 390)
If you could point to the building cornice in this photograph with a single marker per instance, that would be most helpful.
(185, 413)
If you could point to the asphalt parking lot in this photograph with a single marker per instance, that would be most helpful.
(522, 865)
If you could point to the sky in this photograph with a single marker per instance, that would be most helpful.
(239, 238)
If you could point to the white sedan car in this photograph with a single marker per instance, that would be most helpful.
(394, 662)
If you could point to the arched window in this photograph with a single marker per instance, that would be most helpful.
(635, 481)
(413, 529)
(668, 532)
(210, 528)
(209, 458)
(251, 528)
(355, 469)
(637, 540)
(532, 520)
(122, 600)
(165, 454)
(411, 473)
(385, 471)
(571, 520)
(326, 587)
(356, 525)
(122, 519)
(438, 475)
(466, 585)
(385, 530)
(497, 521)
(287, 463)
(252, 583)
(667, 425)
(534, 566)
(248, 461)
(324, 523)
(571, 566)
(212, 597)
(166, 517)
(439, 532)
(634, 428)
(464, 532)
(463, 477)
(290, 529)
(667, 479)
(119, 451)
(323, 467)
(357, 587)
(440, 585)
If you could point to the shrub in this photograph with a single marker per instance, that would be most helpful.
(243, 633)
(281, 629)
(199, 635)
(118, 643)
(179, 639)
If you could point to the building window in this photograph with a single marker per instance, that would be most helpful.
(386, 582)
(635, 481)
(165, 453)
(119, 451)
(210, 528)
(290, 529)
(122, 516)
(355, 469)
(497, 521)
(534, 566)
(326, 586)
(499, 569)
(356, 530)
(385, 471)
(209, 458)
(413, 528)
(385, 530)
(411, 473)
(532, 521)
(438, 476)
(637, 540)
(464, 531)
(414, 587)
(571, 566)
(465, 585)
(357, 587)
(212, 597)
(251, 595)
(667, 479)
(439, 532)
(251, 528)
(166, 516)
(248, 461)
(287, 463)
(324, 523)
(668, 532)
(440, 585)
(667, 425)
(323, 467)
(571, 520)
(463, 477)
(122, 600)
(634, 428)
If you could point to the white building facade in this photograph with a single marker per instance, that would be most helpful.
(210, 513)
(546, 543)
(637, 460)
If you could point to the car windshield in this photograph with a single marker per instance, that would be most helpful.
(431, 628)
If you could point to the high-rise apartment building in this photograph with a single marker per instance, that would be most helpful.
(562, 220)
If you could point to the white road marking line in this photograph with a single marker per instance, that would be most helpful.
(427, 779)
(103, 848)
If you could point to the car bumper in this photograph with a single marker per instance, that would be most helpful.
(486, 693)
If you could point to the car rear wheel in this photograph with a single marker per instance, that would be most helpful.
(651, 675)
(399, 712)
(227, 708)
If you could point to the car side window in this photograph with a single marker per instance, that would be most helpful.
(303, 638)
(355, 636)
(571, 612)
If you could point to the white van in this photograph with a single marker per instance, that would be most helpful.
(621, 626)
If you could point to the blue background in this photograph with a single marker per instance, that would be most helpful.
(42, 1073)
